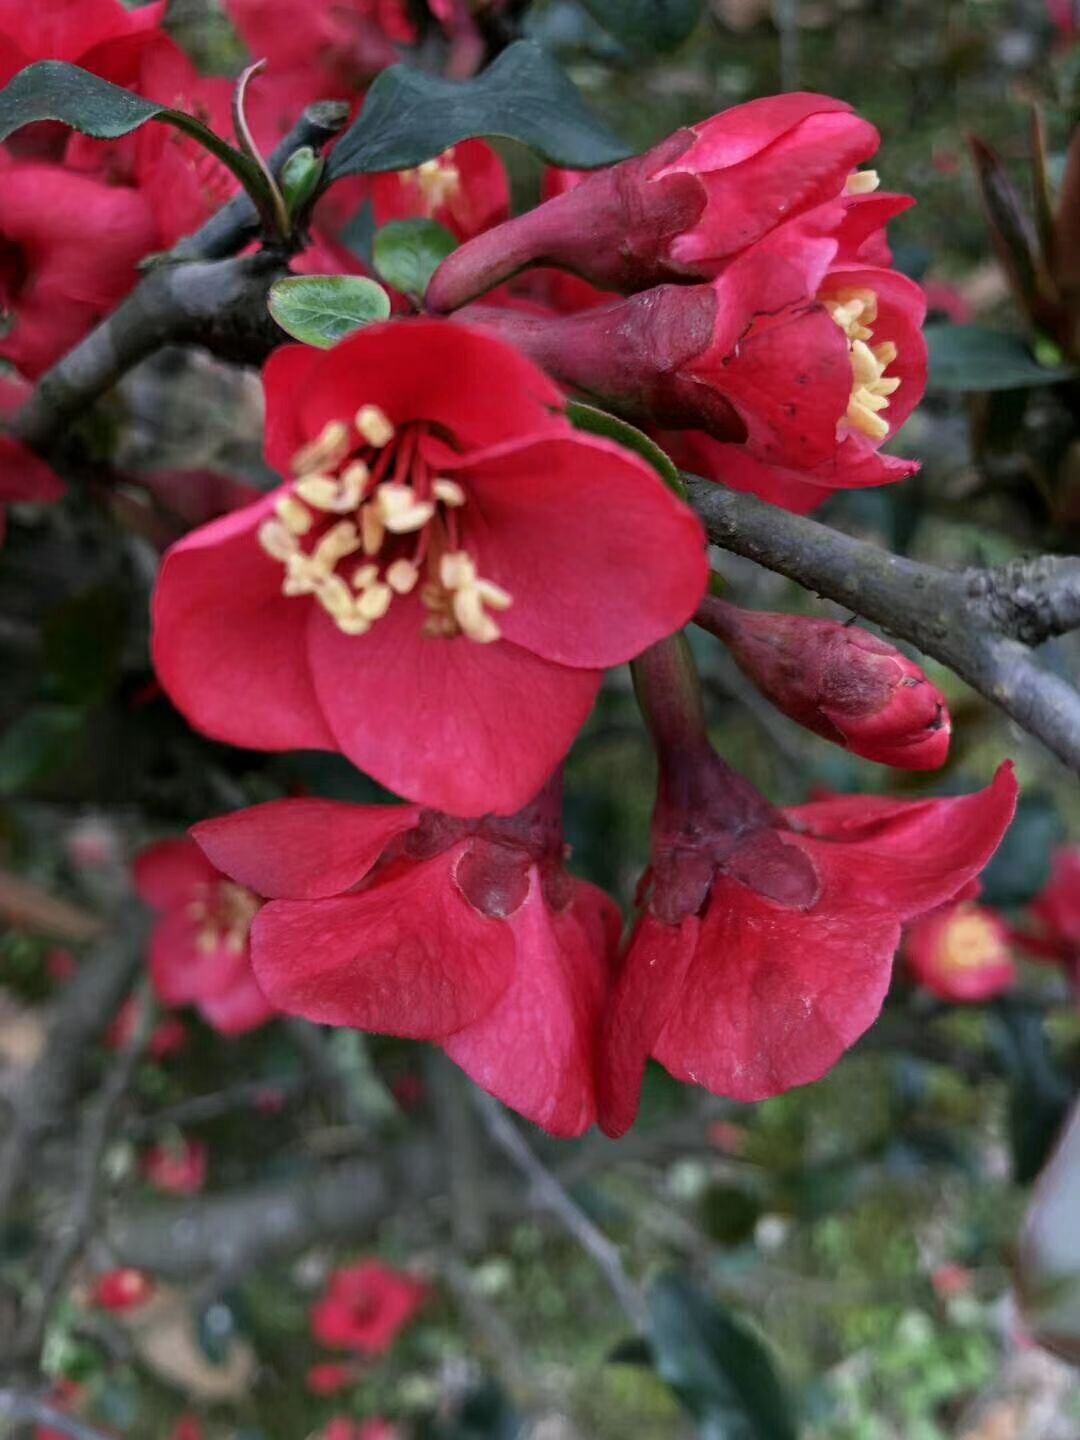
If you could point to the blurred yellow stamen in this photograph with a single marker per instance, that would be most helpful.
(856, 312)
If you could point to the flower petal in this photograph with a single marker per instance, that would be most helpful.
(168, 873)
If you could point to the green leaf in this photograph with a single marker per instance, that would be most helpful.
(719, 1369)
(410, 116)
(1048, 1269)
(970, 357)
(38, 743)
(598, 422)
(1038, 1095)
(53, 90)
(647, 24)
(322, 309)
(408, 252)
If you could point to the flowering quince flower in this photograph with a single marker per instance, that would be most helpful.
(949, 1281)
(122, 1290)
(188, 1427)
(342, 1428)
(407, 922)
(766, 937)
(177, 1168)
(366, 1307)
(70, 30)
(24, 477)
(69, 255)
(839, 681)
(199, 950)
(465, 189)
(790, 359)
(1056, 913)
(169, 1039)
(961, 953)
(685, 209)
(430, 593)
(331, 1379)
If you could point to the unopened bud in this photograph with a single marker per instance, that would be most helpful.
(839, 681)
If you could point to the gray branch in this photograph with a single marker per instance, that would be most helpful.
(982, 623)
(22, 1407)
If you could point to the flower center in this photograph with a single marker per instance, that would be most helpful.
(224, 912)
(862, 182)
(439, 181)
(366, 489)
(856, 311)
(969, 942)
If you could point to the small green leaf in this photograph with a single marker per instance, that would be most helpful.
(300, 178)
(646, 25)
(322, 309)
(598, 422)
(53, 90)
(970, 357)
(410, 116)
(39, 742)
(719, 1369)
(408, 252)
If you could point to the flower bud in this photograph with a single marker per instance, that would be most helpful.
(121, 1290)
(960, 952)
(839, 681)
(682, 210)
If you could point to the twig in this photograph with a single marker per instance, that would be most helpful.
(29, 907)
(85, 1207)
(549, 1193)
(21, 1407)
(982, 623)
(449, 1091)
(86, 1007)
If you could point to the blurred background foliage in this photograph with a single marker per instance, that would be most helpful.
(867, 1225)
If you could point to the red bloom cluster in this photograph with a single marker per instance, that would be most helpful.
(177, 1168)
(199, 951)
(366, 1307)
(961, 952)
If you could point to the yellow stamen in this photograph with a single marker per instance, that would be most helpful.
(862, 182)
(374, 425)
(969, 942)
(402, 576)
(365, 575)
(449, 492)
(856, 311)
(295, 517)
(372, 530)
(439, 180)
(326, 451)
(375, 601)
(278, 541)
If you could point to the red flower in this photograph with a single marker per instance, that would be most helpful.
(431, 594)
(366, 1307)
(69, 30)
(686, 208)
(122, 1290)
(766, 938)
(839, 681)
(177, 1168)
(949, 1281)
(69, 246)
(199, 951)
(793, 361)
(331, 1379)
(470, 935)
(960, 952)
(188, 1427)
(1057, 915)
(24, 477)
(342, 1428)
(465, 189)
(169, 1038)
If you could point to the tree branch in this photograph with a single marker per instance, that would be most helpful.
(21, 1407)
(981, 623)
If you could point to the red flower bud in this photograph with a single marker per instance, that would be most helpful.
(122, 1289)
(841, 682)
(685, 208)
(177, 1169)
(366, 1307)
(961, 953)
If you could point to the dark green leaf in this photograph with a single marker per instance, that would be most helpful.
(970, 357)
(647, 24)
(39, 742)
(408, 252)
(410, 116)
(729, 1214)
(632, 1351)
(322, 309)
(1039, 1095)
(1048, 1269)
(53, 90)
(599, 422)
(718, 1368)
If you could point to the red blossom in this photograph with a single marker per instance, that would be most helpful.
(24, 477)
(342, 1428)
(685, 209)
(766, 937)
(331, 1379)
(795, 365)
(839, 681)
(199, 951)
(177, 1167)
(470, 935)
(168, 1039)
(465, 189)
(961, 953)
(949, 1281)
(1056, 912)
(69, 246)
(70, 30)
(188, 1427)
(366, 1307)
(122, 1290)
(431, 595)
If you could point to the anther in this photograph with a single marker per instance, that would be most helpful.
(365, 575)
(449, 492)
(402, 576)
(862, 182)
(326, 451)
(278, 541)
(375, 601)
(372, 530)
(295, 517)
(374, 425)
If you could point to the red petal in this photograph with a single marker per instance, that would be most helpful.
(647, 992)
(229, 648)
(536, 1048)
(182, 972)
(737, 134)
(585, 594)
(240, 1009)
(408, 957)
(775, 996)
(462, 727)
(302, 849)
(167, 874)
